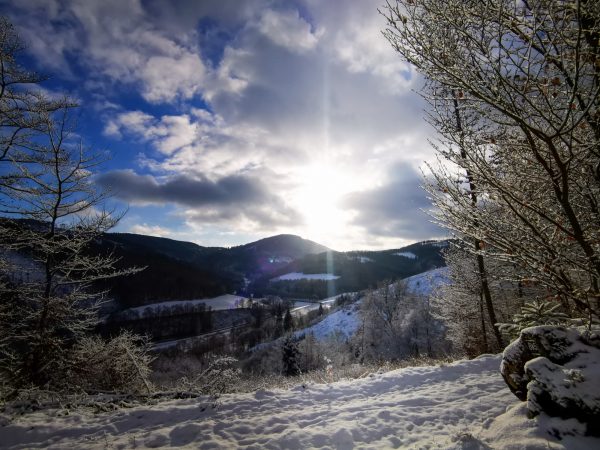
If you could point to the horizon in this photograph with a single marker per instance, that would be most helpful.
(225, 123)
(286, 234)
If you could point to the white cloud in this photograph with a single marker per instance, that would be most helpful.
(114, 39)
(168, 134)
(150, 230)
(288, 30)
(261, 89)
(166, 77)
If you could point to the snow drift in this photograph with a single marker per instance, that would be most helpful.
(454, 406)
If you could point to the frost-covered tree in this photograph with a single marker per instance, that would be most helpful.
(524, 78)
(51, 213)
(397, 324)
(22, 111)
(461, 306)
(53, 218)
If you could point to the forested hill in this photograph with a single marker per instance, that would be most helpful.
(184, 270)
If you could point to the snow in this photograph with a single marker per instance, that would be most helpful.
(363, 259)
(306, 276)
(408, 255)
(344, 321)
(301, 307)
(514, 431)
(227, 301)
(452, 406)
(425, 283)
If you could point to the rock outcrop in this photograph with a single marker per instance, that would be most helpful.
(557, 371)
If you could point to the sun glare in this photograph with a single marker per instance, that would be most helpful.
(318, 198)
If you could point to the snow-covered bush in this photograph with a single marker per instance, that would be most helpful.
(557, 371)
(221, 374)
(119, 364)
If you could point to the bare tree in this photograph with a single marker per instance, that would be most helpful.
(51, 213)
(22, 111)
(524, 77)
(23, 107)
(54, 205)
(397, 324)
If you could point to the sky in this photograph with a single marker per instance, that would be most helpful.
(229, 121)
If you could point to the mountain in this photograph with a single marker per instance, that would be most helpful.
(177, 270)
(184, 270)
(354, 271)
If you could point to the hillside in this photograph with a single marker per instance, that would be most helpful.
(456, 406)
(176, 270)
(349, 271)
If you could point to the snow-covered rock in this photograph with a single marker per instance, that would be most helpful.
(557, 371)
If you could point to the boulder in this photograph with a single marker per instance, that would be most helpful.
(557, 371)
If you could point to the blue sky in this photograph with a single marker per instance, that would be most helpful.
(230, 121)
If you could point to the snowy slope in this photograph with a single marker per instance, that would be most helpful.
(344, 321)
(425, 283)
(425, 407)
(347, 321)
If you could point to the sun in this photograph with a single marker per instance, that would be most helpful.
(319, 196)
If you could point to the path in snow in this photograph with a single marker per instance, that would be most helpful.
(412, 407)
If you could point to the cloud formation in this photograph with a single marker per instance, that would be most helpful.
(397, 208)
(240, 108)
(230, 197)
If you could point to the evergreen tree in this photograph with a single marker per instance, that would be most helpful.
(290, 355)
(288, 321)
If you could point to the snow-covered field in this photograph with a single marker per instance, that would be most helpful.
(305, 276)
(455, 406)
(227, 301)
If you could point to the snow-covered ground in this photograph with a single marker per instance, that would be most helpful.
(362, 259)
(301, 307)
(450, 407)
(425, 283)
(227, 301)
(409, 255)
(344, 321)
(306, 276)
(347, 321)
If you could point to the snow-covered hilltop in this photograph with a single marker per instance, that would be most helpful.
(453, 406)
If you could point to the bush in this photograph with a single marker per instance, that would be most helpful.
(121, 364)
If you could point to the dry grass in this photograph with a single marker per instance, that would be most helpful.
(166, 376)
